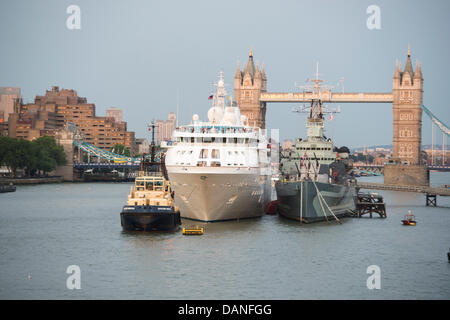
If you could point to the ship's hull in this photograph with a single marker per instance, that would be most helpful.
(299, 200)
(149, 218)
(218, 195)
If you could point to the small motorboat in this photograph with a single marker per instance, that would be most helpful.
(409, 220)
(7, 188)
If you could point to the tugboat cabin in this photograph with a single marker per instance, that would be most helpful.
(150, 190)
(151, 184)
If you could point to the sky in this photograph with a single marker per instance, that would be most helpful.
(146, 57)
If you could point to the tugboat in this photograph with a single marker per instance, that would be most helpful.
(409, 219)
(150, 205)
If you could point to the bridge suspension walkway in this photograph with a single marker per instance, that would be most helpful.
(108, 155)
(436, 121)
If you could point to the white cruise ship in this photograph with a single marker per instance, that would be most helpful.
(220, 169)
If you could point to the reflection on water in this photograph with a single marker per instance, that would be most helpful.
(45, 228)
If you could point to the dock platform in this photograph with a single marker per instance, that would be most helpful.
(431, 193)
(370, 203)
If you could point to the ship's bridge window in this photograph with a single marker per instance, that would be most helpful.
(198, 140)
(224, 140)
(208, 139)
(192, 139)
(158, 185)
(201, 164)
(149, 186)
(240, 140)
(215, 163)
(139, 185)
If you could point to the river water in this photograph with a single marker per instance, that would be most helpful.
(46, 228)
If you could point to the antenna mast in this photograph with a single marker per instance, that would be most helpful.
(315, 110)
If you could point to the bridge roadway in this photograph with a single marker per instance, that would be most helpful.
(440, 191)
(327, 96)
(105, 165)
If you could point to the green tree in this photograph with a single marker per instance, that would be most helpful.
(47, 154)
(42, 154)
(8, 153)
(120, 149)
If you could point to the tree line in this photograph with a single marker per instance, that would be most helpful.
(362, 158)
(37, 157)
(121, 150)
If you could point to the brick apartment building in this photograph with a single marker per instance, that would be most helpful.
(56, 108)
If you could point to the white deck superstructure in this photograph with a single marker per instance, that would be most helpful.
(219, 169)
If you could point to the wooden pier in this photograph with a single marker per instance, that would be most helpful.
(431, 193)
(370, 203)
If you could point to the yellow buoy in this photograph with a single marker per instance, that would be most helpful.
(193, 231)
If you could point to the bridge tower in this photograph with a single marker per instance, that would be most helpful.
(248, 85)
(407, 95)
(407, 98)
(64, 138)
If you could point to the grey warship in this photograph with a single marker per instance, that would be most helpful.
(316, 182)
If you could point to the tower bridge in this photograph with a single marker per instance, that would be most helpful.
(250, 91)
(408, 167)
(327, 96)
